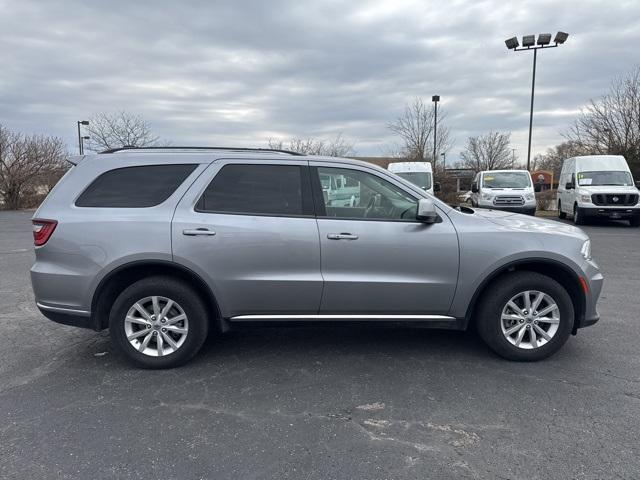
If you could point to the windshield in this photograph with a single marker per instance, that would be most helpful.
(420, 179)
(506, 180)
(605, 178)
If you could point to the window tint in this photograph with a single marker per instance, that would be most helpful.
(134, 187)
(359, 195)
(258, 190)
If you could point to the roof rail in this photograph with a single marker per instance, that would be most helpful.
(240, 149)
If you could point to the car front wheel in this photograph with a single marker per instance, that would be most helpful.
(525, 316)
(158, 322)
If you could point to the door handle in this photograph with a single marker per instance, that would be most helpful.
(198, 231)
(342, 236)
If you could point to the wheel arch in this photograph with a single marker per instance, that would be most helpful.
(124, 275)
(551, 268)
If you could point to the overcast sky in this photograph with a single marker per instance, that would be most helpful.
(240, 72)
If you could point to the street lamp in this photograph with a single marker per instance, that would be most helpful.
(529, 43)
(82, 139)
(80, 146)
(435, 99)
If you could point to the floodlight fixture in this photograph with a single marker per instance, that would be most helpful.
(544, 39)
(512, 43)
(528, 40)
(561, 37)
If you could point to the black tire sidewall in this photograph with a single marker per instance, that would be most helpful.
(178, 291)
(490, 312)
(561, 214)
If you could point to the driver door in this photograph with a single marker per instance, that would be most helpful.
(376, 258)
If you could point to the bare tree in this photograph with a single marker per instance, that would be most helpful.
(27, 163)
(119, 129)
(416, 127)
(552, 159)
(611, 124)
(335, 147)
(488, 152)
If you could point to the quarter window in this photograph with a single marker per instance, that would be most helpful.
(258, 190)
(134, 187)
(356, 194)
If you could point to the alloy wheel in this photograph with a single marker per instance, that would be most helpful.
(530, 319)
(156, 326)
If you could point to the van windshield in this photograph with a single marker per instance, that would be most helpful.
(420, 179)
(506, 180)
(605, 178)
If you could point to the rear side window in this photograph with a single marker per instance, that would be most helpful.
(134, 187)
(281, 190)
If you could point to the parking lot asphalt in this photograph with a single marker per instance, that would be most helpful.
(321, 402)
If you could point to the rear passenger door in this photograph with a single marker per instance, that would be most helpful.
(248, 228)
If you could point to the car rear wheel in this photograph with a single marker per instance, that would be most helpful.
(561, 214)
(525, 316)
(158, 322)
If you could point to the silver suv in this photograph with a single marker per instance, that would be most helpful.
(162, 246)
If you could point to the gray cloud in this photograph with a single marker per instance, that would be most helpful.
(241, 72)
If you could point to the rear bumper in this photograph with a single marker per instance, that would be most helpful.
(68, 316)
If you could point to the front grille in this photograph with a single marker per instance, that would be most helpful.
(624, 199)
(508, 200)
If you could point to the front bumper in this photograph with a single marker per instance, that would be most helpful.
(594, 283)
(525, 209)
(614, 213)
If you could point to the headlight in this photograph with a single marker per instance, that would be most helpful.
(586, 250)
(486, 196)
(530, 196)
(585, 198)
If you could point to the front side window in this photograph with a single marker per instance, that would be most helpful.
(620, 178)
(256, 190)
(356, 194)
(506, 180)
(134, 187)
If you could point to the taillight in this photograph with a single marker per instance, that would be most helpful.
(42, 230)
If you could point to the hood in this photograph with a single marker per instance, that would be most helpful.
(527, 223)
(620, 189)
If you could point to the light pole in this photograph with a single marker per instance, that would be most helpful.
(529, 43)
(80, 146)
(435, 99)
(82, 139)
(444, 160)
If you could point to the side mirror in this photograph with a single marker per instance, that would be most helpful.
(474, 187)
(426, 211)
(569, 186)
(436, 187)
(638, 184)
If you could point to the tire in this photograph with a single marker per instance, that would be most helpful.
(634, 222)
(578, 218)
(188, 334)
(491, 326)
(561, 215)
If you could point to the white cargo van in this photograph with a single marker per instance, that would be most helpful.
(510, 190)
(598, 186)
(418, 173)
